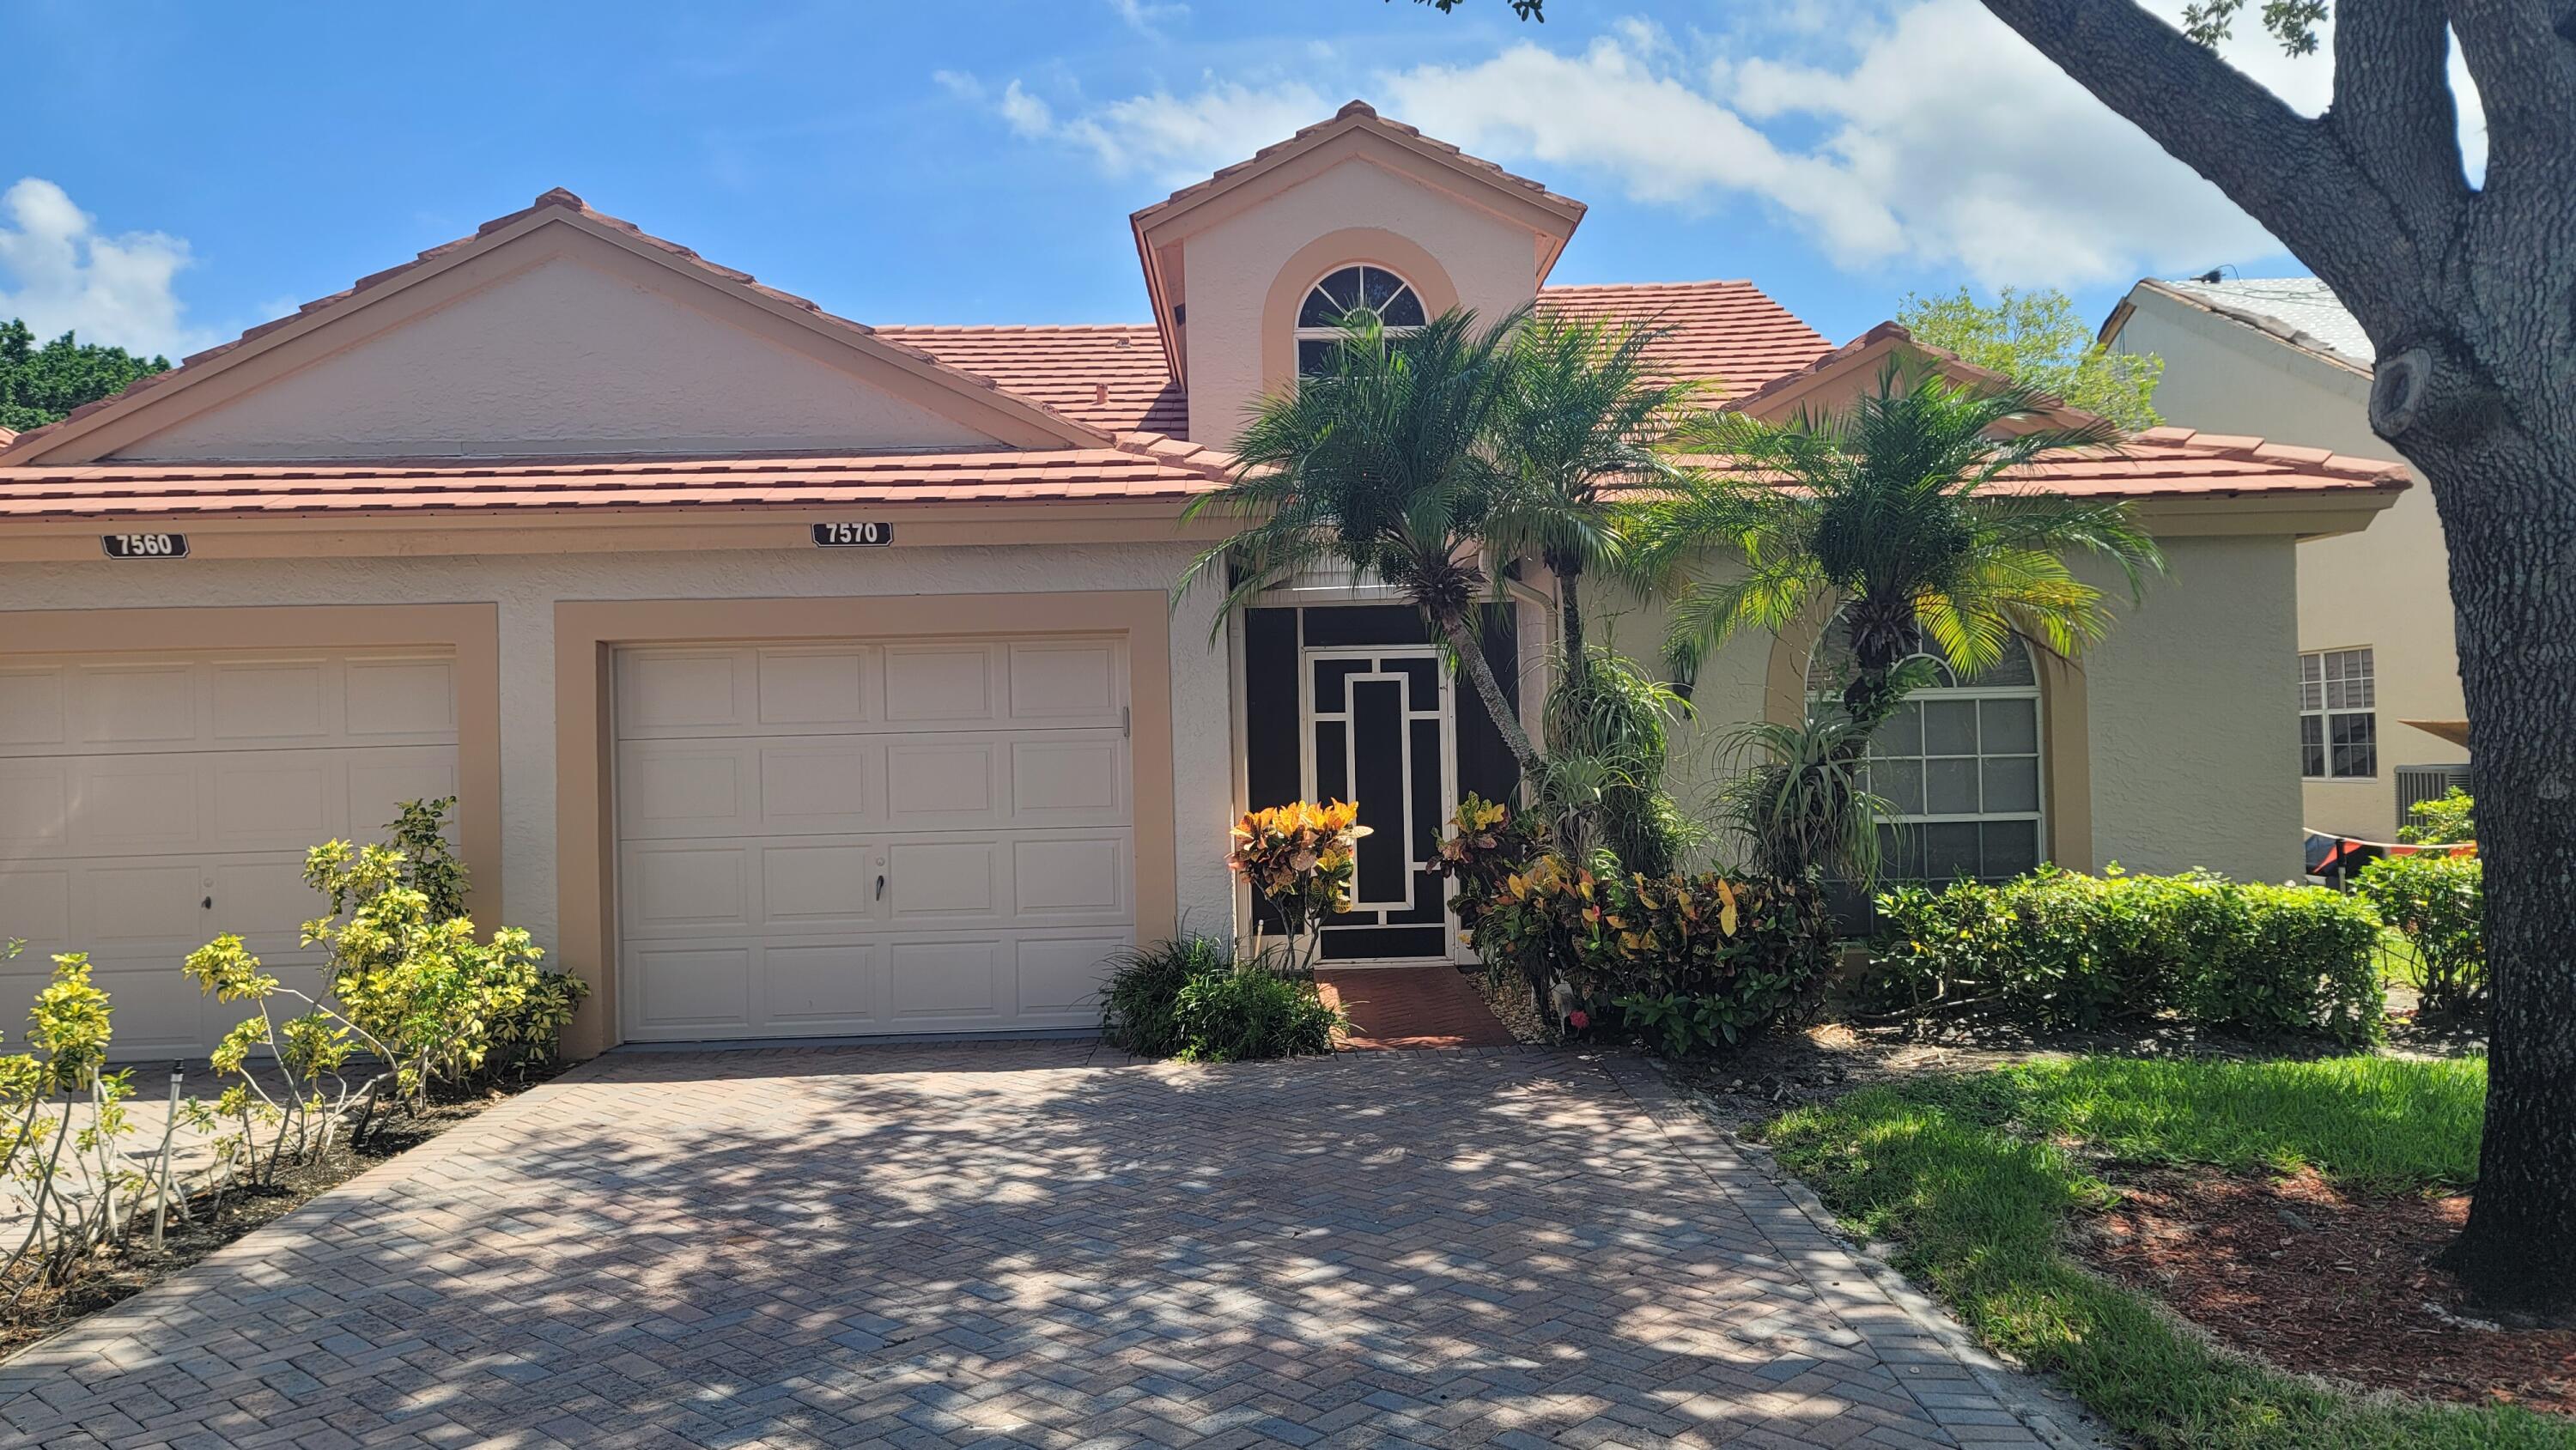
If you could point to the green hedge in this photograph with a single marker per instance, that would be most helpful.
(2438, 903)
(2066, 950)
(1190, 999)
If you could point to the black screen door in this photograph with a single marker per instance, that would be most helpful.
(1380, 734)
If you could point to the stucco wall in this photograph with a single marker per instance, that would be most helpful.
(2189, 714)
(1232, 264)
(2387, 587)
(526, 589)
(561, 358)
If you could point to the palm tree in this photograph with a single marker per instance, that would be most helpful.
(1584, 421)
(1382, 462)
(1904, 512)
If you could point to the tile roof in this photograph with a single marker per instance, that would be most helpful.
(1111, 375)
(1364, 115)
(2179, 462)
(1728, 334)
(2301, 311)
(1137, 467)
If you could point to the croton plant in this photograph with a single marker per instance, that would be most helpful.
(1300, 857)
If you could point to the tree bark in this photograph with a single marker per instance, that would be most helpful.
(2467, 295)
(2513, 581)
(1569, 611)
(1461, 633)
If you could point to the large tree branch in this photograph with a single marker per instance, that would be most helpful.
(2395, 115)
(2284, 169)
(2522, 56)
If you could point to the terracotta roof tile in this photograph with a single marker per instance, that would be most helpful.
(1730, 335)
(2177, 462)
(1110, 376)
(1141, 467)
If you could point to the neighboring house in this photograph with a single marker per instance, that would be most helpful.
(802, 678)
(2377, 662)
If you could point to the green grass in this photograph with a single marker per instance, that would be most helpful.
(1971, 1179)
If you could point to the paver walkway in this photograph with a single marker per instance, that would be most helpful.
(1410, 1007)
(1029, 1244)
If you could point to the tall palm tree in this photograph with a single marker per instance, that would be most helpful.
(1903, 511)
(1382, 462)
(1584, 420)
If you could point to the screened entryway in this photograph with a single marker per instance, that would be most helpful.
(1357, 702)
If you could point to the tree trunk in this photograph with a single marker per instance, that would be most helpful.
(1461, 634)
(2508, 506)
(1569, 613)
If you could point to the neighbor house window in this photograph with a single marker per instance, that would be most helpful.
(1959, 765)
(1330, 303)
(2338, 715)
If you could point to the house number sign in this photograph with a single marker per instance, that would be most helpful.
(852, 536)
(145, 546)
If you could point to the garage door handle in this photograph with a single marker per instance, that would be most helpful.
(880, 888)
(208, 903)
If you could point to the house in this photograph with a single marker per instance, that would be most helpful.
(799, 677)
(2382, 723)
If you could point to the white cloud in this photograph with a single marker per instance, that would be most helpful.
(1915, 133)
(60, 273)
(1144, 17)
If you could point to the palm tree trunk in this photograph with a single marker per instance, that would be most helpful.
(1462, 637)
(1569, 611)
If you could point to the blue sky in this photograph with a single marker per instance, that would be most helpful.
(174, 171)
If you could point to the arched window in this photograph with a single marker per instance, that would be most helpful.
(1961, 765)
(1330, 302)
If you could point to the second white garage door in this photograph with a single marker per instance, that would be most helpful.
(888, 836)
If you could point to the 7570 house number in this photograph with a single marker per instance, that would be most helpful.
(852, 536)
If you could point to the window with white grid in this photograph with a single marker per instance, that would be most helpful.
(2338, 715)
(1959, 765)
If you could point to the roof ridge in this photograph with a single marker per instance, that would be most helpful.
(553, 199)
(1644, 286)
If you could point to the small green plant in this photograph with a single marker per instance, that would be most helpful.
(319, 1104)
(407, 969)
(2438, 904)
(1602, 782)
(2448, 819)
(1799, 806)
(75, 1186)
(1190, 998)
(2064, 949)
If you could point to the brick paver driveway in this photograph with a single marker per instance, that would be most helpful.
(1029, 1244)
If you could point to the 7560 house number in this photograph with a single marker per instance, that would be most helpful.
(852, 536)
(145, 546)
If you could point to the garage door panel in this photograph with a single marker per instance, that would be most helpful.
(944, 879)
(36, 904)
(134, 805)
(35, 807)
(696, 788)
(381, 780)
(270, 701)
(820, 785)
(149, 1017)
(665, 691)
(940, 983)
(807, 688)
(277, 800)
(934, 785)
(262, 900)
(119, 904)
(813, 887)
(399, 696)
(689, 989)
(1069, 875)
(666, 888)
(824, 987)
(135, 704)
(31, 708)
(1075, 682)
(1069, 782)
(1059, 977)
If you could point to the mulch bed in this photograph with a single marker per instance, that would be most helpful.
(118, 1274)
(2320, 1281)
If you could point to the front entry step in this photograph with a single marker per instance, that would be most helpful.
(1410, 1007)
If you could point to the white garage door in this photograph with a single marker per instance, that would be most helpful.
(882, 837)
(149, 803)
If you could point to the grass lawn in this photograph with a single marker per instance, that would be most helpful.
(1975, 1177)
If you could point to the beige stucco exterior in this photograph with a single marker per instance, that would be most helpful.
(1239, 342)
(2386, 587)
(2163, 743)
